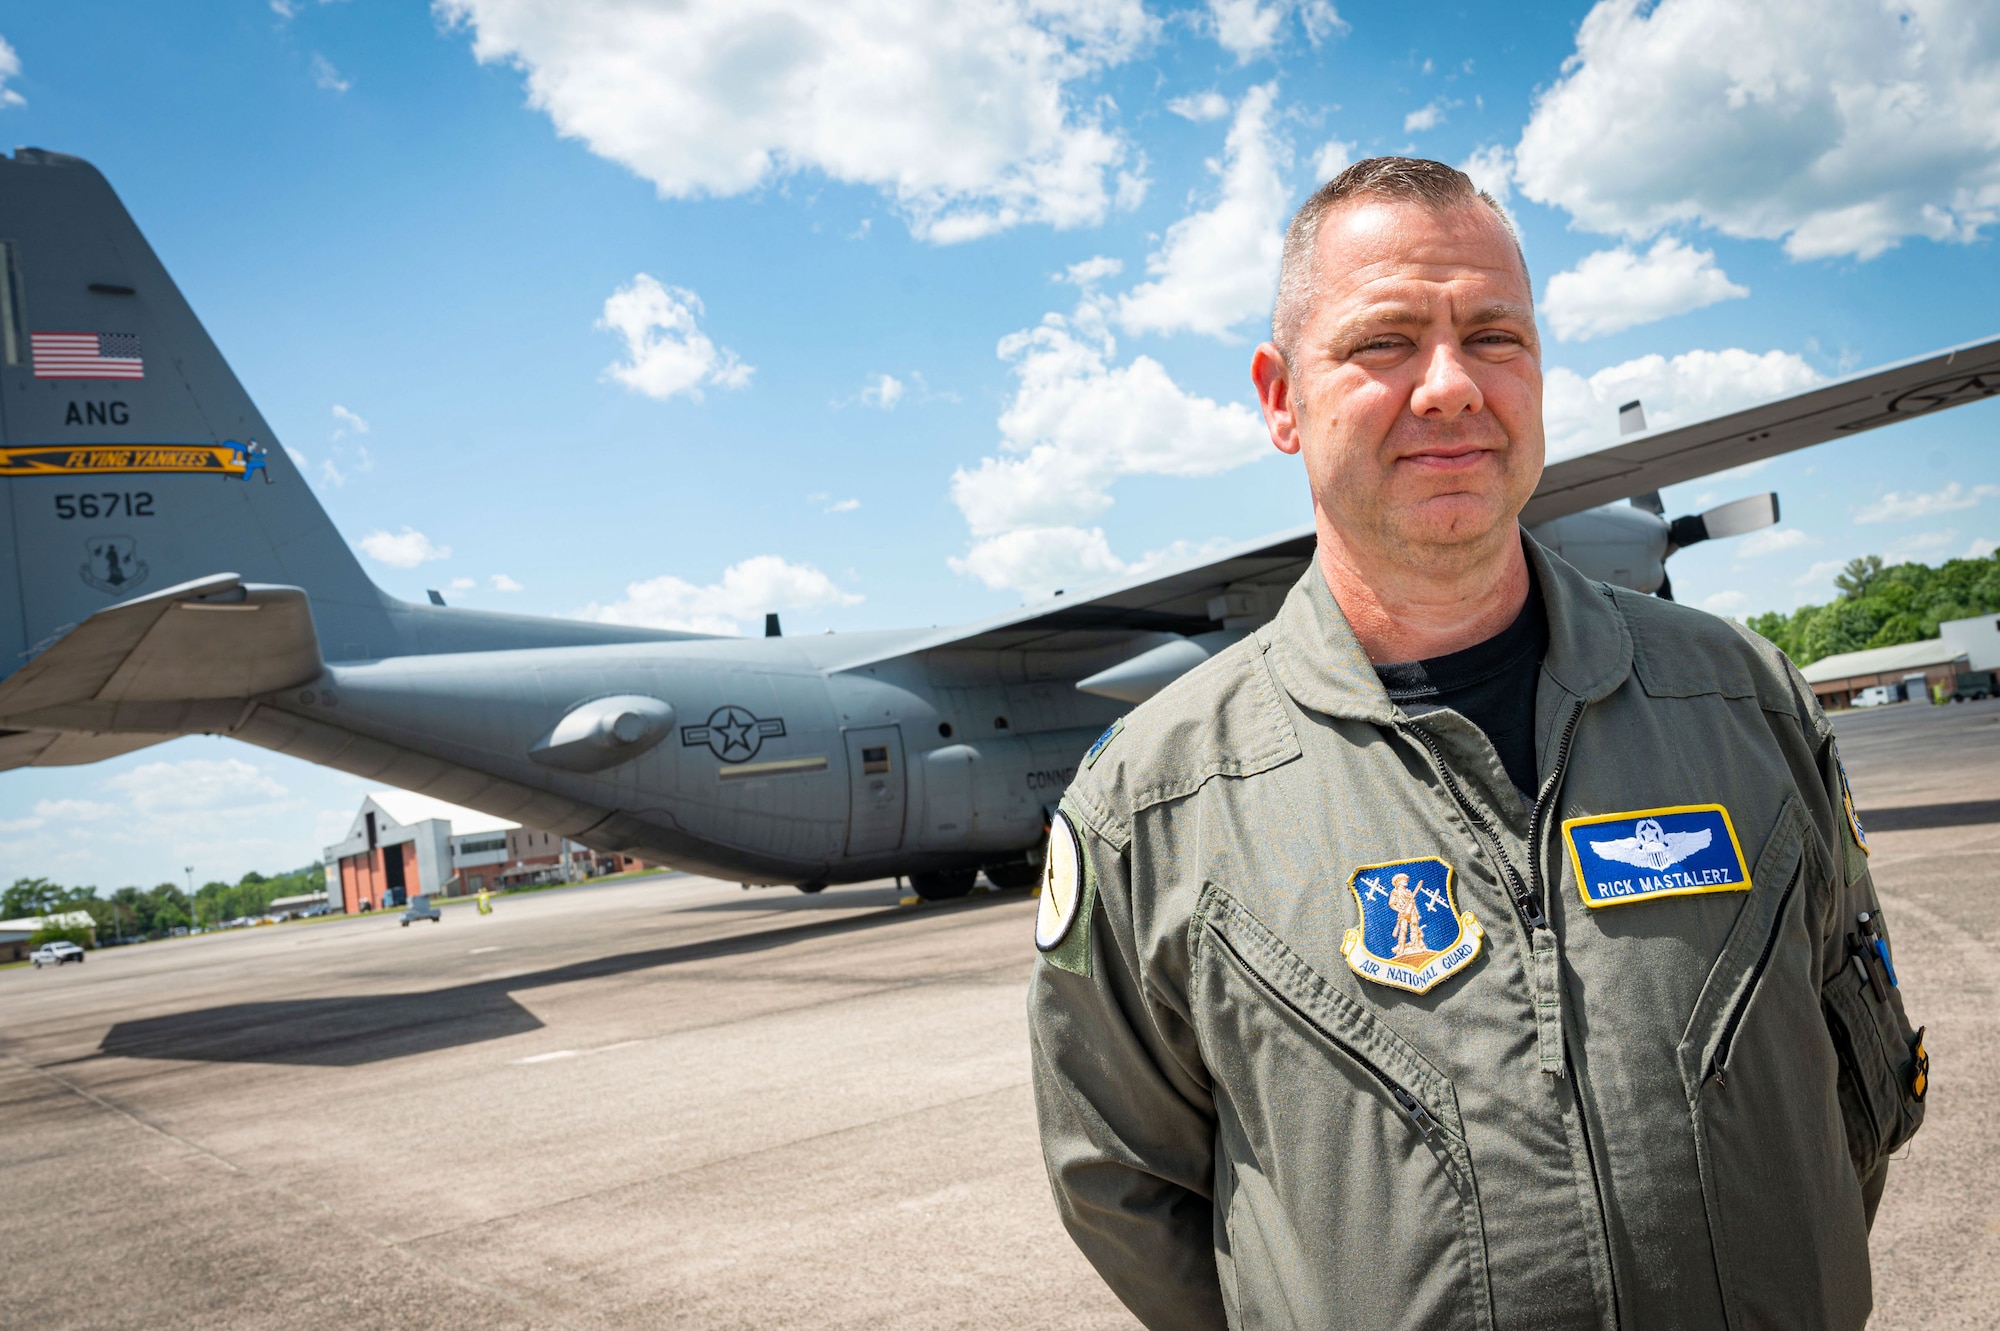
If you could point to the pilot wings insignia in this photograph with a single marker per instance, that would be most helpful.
(1671, 852)
(1653, 847)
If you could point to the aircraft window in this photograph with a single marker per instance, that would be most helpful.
(874, 759)
(999, 723)
(11, 336)
(944, 728)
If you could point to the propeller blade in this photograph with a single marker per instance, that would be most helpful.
(1731, 519)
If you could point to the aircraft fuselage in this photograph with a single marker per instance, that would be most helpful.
(773, 766)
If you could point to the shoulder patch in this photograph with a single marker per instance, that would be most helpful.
(1677, 851)
(1854, 828)
(1110, 733)
(1062, 917)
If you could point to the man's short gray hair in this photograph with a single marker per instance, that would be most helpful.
(1418, 180)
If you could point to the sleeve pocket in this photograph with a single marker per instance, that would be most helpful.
(1882, 1070)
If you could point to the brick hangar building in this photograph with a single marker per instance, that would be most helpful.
(403, 845)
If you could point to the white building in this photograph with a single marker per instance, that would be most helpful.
(402, 845)
(1978, 639)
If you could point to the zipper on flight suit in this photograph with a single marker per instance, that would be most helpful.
(1413, 1109)
(1721, 1054)
(1526, 904)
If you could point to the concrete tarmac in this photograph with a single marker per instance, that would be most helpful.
(670, 1102)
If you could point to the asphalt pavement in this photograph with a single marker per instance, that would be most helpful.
(672, 1102)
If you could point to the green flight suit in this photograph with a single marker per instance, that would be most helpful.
(1671, 1113)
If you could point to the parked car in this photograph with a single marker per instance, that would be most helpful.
(420, 908)
(1875, 695)
(59, 953)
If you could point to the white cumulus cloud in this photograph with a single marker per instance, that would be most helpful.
(751, 588)
(10, 68)
(1425, 118)
(1200, 106)
(665, 350)
(502, 583)
(884, 391)
(1840, 129)
(1899, 507)
(965, 113)
(405, 549)
(327, 77)
(1725, 603)
(1491, 169)
(1771, 540)
(1333, 157)
(1076, 424)
(1250, 28)
(195, 784)
(1089, 272)
(1820, 574)
(1580, 414)
(1219, 266)
(1612, 290)
(348, 421)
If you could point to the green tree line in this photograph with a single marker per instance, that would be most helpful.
(134, 912)
(1882, 606)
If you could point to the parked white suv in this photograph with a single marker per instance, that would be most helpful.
(56, 954)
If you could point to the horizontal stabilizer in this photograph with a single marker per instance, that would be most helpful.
(64, 748)
(213, 638)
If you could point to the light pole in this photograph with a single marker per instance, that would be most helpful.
(194, 916)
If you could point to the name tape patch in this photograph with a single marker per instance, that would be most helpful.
(1620, 858)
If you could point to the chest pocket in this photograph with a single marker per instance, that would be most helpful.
(1344, 1189)
(1784, 1206)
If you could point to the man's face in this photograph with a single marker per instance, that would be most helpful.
(1415, 390)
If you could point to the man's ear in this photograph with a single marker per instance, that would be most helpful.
(1273, 378)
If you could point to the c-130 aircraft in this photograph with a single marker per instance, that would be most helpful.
(173, 575)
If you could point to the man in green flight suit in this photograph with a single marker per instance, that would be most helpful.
(1474, 945)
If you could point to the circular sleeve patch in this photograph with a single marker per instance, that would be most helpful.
(1062, 885)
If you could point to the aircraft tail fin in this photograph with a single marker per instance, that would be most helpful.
(132, 458)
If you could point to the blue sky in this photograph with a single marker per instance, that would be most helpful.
(883, 314)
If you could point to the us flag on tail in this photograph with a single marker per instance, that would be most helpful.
(87, 356)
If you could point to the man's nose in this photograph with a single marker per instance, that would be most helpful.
(1447, 388)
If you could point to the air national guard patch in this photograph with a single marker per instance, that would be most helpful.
(1411, 933)
(1620, 858)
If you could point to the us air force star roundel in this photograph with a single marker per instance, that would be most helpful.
(1412, 934)
(1062, 886)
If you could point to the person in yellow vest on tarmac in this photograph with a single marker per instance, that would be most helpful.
(485, 902)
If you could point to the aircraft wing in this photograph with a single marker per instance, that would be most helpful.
(1847, 406)
(1183, 599)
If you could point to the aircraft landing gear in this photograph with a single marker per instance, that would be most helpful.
(1013, 874)
(810, 888)
(943, 884)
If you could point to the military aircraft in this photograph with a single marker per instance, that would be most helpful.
(172, 574)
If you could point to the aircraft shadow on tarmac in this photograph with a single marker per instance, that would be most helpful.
(354, 1030)
(1917, 817)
